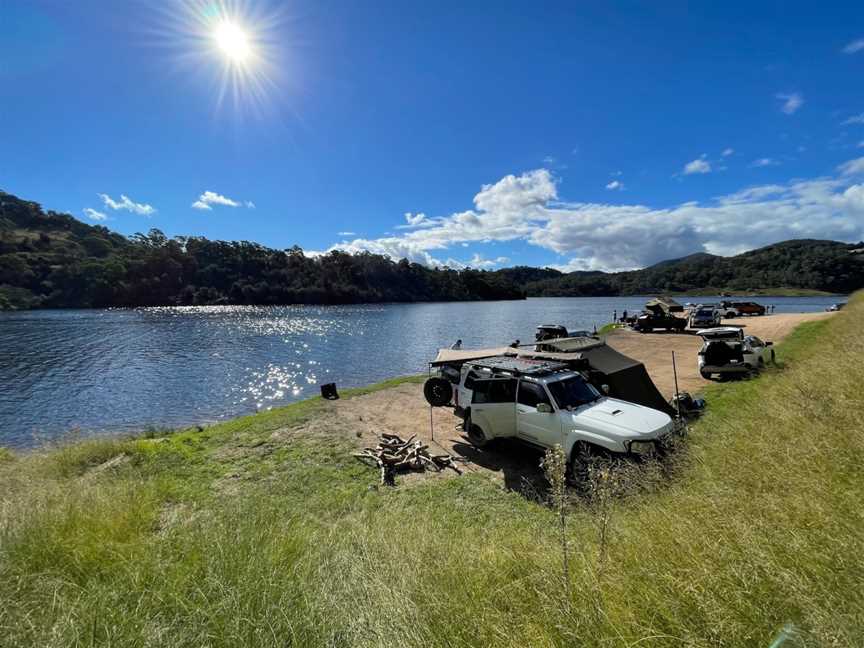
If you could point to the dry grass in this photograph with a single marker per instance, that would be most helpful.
(760, 527)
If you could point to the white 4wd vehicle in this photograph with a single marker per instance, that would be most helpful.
(543, 403)
(726, 350)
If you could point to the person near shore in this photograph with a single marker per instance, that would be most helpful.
(456, 346)
(515, 344)
(615, 315)
(624, 316)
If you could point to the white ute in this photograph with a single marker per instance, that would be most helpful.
(544, 403)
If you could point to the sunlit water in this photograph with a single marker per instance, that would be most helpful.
(126, 370)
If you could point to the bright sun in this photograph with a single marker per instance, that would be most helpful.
(232, 41)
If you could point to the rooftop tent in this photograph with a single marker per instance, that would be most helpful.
(666, 304)
(627, 378)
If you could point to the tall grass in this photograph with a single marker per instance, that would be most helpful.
(760, 528)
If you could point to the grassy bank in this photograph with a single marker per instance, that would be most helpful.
(227, 537)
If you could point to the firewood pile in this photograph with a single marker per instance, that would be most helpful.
(393, 454)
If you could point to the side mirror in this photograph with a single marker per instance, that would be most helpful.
(544, 408)
(604, 389)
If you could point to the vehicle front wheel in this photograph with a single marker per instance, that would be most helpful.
(705, 374)
(578, 468)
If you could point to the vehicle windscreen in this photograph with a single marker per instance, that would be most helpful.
(705, 313)
(571, 393)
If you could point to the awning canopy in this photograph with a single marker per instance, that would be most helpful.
(446, 356)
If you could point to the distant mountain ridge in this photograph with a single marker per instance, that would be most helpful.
(799, 264)
(52, 260)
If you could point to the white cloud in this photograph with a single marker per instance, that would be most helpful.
(854, 119)
(614, 237)
(414, 220)
(852, 167)
(92, 214)
(209, 198)
(615, 185)
(854, 47)
(791, 102)
(346, 233)
(727, 152)
(250, 204)
(478, 262)
(699, 165)
(127, 203)
(764, 162)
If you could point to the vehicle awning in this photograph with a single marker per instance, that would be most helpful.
(446, 356)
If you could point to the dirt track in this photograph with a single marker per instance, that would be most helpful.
(655, 349)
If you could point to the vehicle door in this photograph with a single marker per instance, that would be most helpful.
(493, 406)
(532, 424)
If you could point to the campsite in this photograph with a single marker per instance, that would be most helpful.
(643, 361)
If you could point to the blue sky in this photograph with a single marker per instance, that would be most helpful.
(574, 134)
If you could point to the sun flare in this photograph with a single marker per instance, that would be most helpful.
(232, 41)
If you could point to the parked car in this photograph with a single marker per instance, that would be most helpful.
(835, 307)
(727, 351)
(704, 317)
(544, 403)
(749, 308)
(728, 310)
(647, 322)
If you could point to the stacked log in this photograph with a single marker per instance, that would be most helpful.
(393, 454)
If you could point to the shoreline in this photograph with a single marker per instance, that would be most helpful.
(651, 349)
(706, 292)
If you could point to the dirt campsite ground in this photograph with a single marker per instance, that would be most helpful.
(655, 349)
(403, 410)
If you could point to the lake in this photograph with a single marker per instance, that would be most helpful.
(115, 371)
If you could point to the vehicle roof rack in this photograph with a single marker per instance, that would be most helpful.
(519, 366)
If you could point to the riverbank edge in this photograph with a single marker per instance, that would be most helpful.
(291, 414)
(5, 307)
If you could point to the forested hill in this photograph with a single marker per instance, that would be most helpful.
(800, 264)
(50, 260)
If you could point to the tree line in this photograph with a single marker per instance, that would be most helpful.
(52, 260)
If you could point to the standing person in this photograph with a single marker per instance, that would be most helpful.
(615, 315)
(456, 346)
(624, 317)
(515, 344)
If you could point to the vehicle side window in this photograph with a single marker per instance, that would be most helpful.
(494, 391)
(531, 394)
(480, 387)
(502, 391)
(470, 379)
